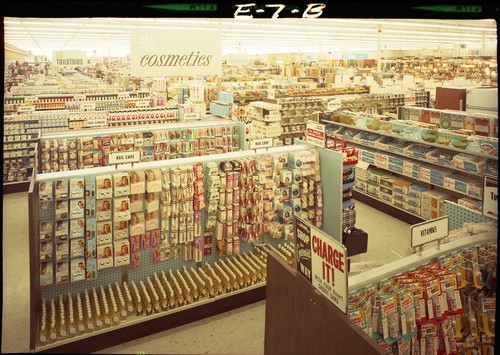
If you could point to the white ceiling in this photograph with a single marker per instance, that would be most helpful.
(111, 36)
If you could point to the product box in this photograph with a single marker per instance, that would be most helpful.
(90, 248)
(91, 268)
(77, 247)
(121, 184)
(77, 269)
(62, 230)
(62, 272)
(62, 250)
(402, 186)
(434, 199)
(77, 228)
(46, 231)
(136, 202)
(470, 163)
(90, 187)
(416, 190)
(76, 208)
(45, 189)
(103, 210)
(104, 232)
(120, 230)
(373, 190)
(153, 180)
(121, 209)
(136, 224)
(137, 182)
(412, 209)
(46, 273)
(104, 256)
(412, 200)
(386, 197)
(122, 252)
(61, 189)
(473, 204)
(431, 213)
(104, 188)
(90, 228)
(76, 188)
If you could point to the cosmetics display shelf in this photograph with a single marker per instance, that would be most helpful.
(46, 211)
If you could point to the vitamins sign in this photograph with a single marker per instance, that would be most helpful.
(322, 260)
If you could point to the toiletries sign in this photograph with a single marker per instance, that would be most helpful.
(322, 261)
(490, 196)
(175, 53)
(69, 58)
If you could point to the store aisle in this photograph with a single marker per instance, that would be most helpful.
(16, 305)
(239, 331)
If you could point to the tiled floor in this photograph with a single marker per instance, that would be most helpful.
(240, 331)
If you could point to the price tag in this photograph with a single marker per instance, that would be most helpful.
(192, 116)
(96, 122)
(79, 97)
(24, 109)
(87, 106)
(123, 95)
(142, 104)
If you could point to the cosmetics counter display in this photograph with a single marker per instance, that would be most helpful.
(122, 246)
(405, 173)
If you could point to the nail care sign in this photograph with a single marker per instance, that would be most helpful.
(322, 261)
(175, 53)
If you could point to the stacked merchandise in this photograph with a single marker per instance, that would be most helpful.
(72, 153)
(413, 202)
(432, 203)
(446, 306)
(92, 223)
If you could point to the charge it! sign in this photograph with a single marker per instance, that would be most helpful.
(322, 261)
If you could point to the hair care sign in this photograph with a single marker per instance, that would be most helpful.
(69, 58)
(175, 53)
(322, 261)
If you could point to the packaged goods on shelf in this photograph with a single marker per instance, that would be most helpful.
(436, 298)
(470, 163)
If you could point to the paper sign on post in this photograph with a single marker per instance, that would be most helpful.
(429, 231)
(490, 196)
(315, 134)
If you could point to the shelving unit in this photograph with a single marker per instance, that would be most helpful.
(424, 163)
(19, 160)
(163, 319)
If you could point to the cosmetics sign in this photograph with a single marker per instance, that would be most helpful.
(175, 53)
(322, 261)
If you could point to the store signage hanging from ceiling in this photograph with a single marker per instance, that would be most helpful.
(175, 53)
(69, 58)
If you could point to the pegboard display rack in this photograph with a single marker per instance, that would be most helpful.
(148, 267)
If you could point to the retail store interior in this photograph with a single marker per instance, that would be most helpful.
(373, 133)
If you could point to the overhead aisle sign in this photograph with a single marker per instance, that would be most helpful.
(322, 261)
